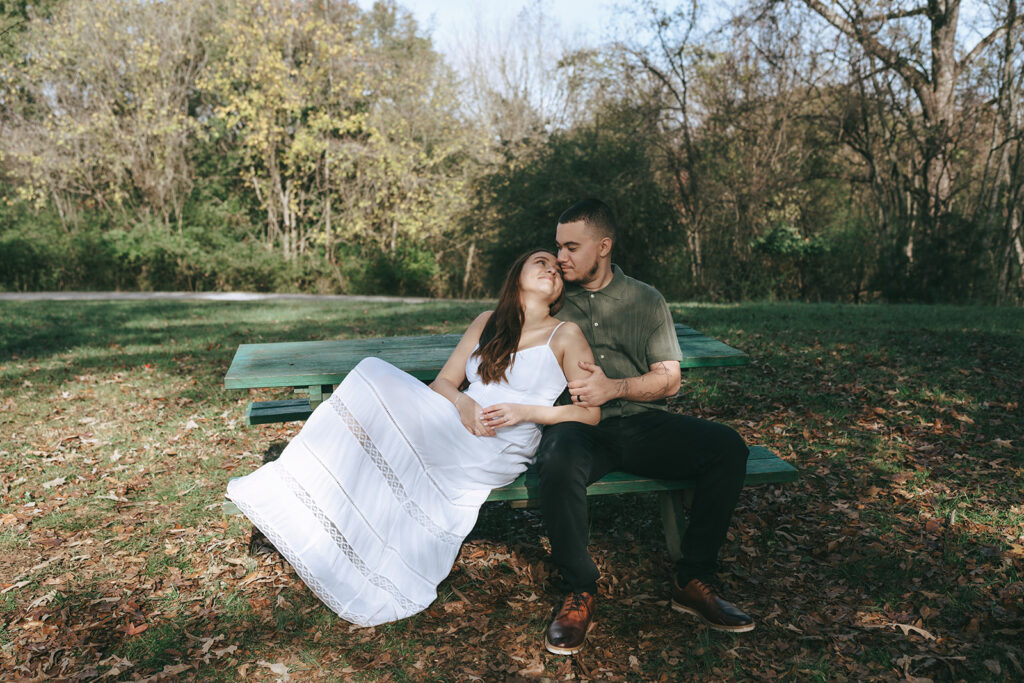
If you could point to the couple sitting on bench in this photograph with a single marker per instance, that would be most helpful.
(371, 501)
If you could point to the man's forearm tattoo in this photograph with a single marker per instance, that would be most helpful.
(654, 394)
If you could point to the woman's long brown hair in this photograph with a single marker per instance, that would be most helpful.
(500, 336)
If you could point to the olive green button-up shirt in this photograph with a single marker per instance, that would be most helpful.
(629, 327)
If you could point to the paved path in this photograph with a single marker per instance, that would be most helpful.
(208, 296)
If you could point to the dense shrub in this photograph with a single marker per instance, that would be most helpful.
(38, 254)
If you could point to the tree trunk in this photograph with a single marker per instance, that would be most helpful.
(328, 237)
(939, 109)
(696, 257)
(469, 268)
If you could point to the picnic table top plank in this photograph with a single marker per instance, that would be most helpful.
(306, 363)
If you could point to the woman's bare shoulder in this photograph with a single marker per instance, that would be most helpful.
(568, 333)
(481, 319)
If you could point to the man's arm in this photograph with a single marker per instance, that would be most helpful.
(662, 381)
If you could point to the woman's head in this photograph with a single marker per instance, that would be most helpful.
(534, 273)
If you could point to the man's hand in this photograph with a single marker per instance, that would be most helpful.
(596, 390)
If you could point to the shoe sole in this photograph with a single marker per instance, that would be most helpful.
(559, 650)
(743, 628)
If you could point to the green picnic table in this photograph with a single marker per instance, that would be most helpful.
(314, 368)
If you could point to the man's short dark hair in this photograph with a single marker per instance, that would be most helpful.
(594, 213)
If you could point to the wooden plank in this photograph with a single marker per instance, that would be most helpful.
(267, 412)
(684, 331)
(308, 363)
(292, 364)
(763, 467)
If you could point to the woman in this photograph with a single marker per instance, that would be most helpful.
(372, 500)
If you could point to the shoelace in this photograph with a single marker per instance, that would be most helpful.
(709, 589)
(576, 602)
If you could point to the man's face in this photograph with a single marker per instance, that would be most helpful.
(578, 252)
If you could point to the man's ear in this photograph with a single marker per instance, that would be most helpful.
(604, 246)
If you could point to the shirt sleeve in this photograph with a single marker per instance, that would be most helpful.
(663, 342)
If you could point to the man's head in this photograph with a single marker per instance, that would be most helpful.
(585, 234)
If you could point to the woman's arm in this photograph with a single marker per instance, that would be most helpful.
(453, 374)
(570, 347)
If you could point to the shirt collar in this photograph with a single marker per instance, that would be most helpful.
(616, 289)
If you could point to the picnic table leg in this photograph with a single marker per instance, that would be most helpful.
(674, 507)
(318, 393)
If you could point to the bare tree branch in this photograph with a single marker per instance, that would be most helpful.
(986, 41)
(855, 30)
(902, 14)
(10, 28)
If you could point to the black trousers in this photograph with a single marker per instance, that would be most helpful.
(658, 444)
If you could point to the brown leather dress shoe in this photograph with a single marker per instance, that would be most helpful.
(568, 631)
(700, 600)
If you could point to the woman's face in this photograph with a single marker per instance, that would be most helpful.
(541, 274)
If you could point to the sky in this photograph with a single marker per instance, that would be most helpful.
(450, 17)
(447, 20)
(450, 20)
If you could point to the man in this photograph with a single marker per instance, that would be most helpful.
(637, 355)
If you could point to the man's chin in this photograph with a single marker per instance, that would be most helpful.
(571, 278)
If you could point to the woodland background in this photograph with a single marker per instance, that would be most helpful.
(801, 150)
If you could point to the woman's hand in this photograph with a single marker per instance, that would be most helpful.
(469, 413)
(506, 414)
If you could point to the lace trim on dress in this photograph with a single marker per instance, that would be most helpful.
(378, 459)
(381, 582)
(355, 508)
(398, 428)
(300, 567)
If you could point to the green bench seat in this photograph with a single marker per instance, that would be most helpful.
(268, 412)
(674, 495)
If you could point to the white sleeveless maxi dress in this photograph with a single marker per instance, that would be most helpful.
(371, 501)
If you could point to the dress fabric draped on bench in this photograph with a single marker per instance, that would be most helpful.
(371, 501)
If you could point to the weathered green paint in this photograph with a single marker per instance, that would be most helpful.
(315, 363)
(763, 467)
(267, 412)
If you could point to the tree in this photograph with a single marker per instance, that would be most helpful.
(403, 177)
(613, 157)
(889, 36)
(1001, 186)
(286, 82)
(98, 106)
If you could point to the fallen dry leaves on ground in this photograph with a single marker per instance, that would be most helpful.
(897, 555)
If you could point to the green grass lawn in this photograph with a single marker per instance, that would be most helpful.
(898, 553)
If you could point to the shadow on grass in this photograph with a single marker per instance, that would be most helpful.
(43, 328)
(199, 338)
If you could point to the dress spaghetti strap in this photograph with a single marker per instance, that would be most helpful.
(552, 336)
